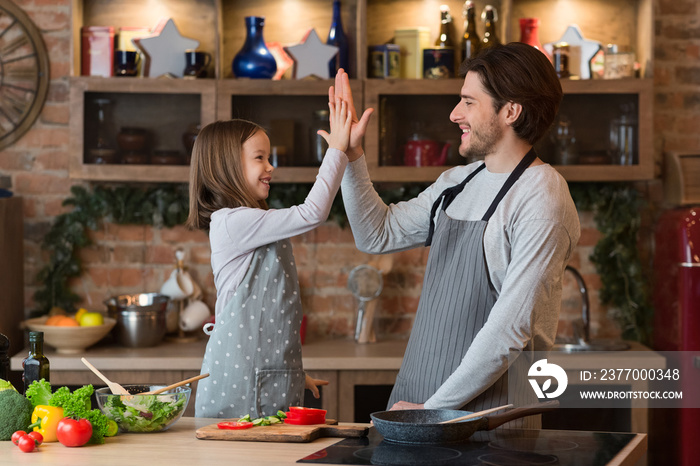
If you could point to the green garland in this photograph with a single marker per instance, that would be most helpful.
(616, 209)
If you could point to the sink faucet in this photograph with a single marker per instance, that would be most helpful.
(582, 328)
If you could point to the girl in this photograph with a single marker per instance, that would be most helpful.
(254, 349)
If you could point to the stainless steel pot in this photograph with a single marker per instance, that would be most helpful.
(422, 426)
(140, 318)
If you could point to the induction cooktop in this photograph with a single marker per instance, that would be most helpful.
(500, 447)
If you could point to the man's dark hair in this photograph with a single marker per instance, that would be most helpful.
(519, 73)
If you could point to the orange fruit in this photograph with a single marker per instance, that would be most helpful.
(67, 322)
(53, 320)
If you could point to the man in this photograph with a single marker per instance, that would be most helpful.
(501, 233)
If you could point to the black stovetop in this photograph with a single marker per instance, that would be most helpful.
(500, 447)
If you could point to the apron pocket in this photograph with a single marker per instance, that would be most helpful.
(278, 389)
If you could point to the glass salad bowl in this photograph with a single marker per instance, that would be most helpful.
(144, 413)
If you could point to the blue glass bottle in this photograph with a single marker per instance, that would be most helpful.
(337, 37)
(254, 60)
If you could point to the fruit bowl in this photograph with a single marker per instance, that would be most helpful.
(70, 340)
(139, 413)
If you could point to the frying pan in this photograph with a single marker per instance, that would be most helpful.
(422, 426)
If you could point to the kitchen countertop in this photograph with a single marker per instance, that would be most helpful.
(320, 355)
(179, 446)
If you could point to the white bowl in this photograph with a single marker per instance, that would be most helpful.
(70, 339)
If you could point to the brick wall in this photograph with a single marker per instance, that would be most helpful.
(135, 259)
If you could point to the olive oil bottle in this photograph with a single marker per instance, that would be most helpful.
(35, 365)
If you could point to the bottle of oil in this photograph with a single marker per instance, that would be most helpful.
(35, 365)
(490, 18)
(471, 43)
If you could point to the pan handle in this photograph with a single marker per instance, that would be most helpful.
(496, 420)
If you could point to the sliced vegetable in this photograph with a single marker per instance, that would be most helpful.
(245, 418)
(45, 421)
(235, 425)
(74, 432)
(299, 415)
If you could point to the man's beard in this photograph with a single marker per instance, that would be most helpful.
(482, 143)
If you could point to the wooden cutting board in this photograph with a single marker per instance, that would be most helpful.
(283, 432)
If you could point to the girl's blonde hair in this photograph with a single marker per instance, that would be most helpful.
(216, 171)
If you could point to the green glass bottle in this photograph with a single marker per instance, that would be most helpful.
(35, 365)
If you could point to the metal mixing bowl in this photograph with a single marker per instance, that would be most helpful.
(140, 318)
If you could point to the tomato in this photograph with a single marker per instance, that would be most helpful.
(73, 432)
(18, 435)
(27, 444)
(235, 425)
(38, 438)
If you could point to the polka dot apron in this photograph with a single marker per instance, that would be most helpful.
(254, 351)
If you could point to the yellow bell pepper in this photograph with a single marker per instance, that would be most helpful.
(45, 421)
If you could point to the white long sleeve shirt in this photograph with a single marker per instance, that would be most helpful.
(527, 243)
(234, 234)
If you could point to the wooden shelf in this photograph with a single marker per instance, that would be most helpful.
(218, 25)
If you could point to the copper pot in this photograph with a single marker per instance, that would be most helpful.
(131, 139)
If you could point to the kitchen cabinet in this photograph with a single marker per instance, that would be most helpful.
(218, 25)
(12, 271)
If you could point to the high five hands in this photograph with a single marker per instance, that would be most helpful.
(342, 91)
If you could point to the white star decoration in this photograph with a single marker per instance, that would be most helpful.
(166, 51)
(581, 51)
(311, 57)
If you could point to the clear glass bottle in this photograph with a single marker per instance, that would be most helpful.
(4, 358)
(318, 145)
(103, 148)
(337, 37)
(35, 365)
(471, 43)
(490, 18)
(444, 38)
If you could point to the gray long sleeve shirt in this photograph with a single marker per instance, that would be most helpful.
(527, 244)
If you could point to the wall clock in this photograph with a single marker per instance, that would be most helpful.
(24, 73)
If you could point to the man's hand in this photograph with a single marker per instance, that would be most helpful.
(406, 405)
(359, 127)
(313, 384)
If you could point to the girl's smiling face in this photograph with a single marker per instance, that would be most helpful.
(256, 165)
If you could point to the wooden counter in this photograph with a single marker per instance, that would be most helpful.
(179, 446)
(344, 363)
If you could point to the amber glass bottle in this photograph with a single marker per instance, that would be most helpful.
(490, 18)
(471, 43)
(35, 365)
(445, 37)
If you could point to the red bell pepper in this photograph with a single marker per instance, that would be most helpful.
(299, 415)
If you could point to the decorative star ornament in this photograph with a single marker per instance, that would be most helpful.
(581, 51)
(311, 56)
(166, 51)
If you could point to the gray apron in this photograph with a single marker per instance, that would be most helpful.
(254, 352)
(455, 303)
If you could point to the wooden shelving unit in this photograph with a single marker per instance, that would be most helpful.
(218, 25)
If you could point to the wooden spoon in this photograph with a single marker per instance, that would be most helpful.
(115, 387)
(175, 385)
(477, 414)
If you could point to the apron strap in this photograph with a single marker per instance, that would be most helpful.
(449, 194)
(515, 174)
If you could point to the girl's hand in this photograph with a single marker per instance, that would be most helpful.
(341, 119)
(313, 384)
(359, 127)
